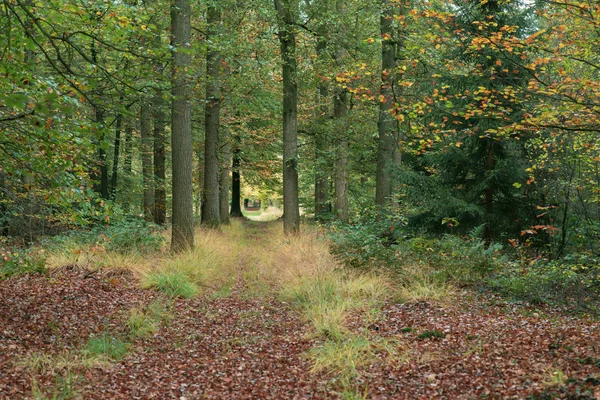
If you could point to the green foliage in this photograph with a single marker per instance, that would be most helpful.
(565, 281)
(127, 236)
(17, 262)
(107, 345)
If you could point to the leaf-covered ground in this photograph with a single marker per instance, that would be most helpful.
(243, 347)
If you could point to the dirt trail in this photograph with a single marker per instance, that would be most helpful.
(245, 343)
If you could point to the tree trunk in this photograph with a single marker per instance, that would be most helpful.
(159, 117)
(287, 38)
(160, 193)
(387, 136)
(321, 162)
(224, 180)
(236, 210)
(117, 148)
(340, 111)
(182, 237)
(211, 207)
(146, 133)
(488, 234)
(340, 115)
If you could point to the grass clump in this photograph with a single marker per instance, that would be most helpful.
(431, 335)
(144, 322)
(173, 283)
(57, 363)
(107, 346)
(62, 389)
(422, 286)
(209, 266)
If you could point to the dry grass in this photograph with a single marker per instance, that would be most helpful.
(419, 285)
(210, 266)
(58, 363)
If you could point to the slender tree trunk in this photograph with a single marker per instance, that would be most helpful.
(286, 11)
(159, 117)
(488, 234)
(181, 124)
(128, 160)
(160, 193)
(321, 162)
(117, 148)
(224, 177)
(146, 133)
(211, 206)
(387, 137)
(236, 194)
(4, 201)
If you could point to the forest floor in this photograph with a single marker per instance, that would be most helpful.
(280, 320)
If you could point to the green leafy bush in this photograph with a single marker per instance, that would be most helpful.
(129, 235)
(21, 262)
(574, 281)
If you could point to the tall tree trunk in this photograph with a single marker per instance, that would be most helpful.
(117, 148)
(236, 193)
(340, 111)
(182, 237)
(211, 206)
(159, 117)
(4, 201)
(101, 177)
(224, 177)
(128, 159)
(146, 133)
(321, 150)
(286, 16)
(387, 136)
(160, 193)
(488, 234)
(340, 115)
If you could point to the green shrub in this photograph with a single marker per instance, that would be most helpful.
(21, 262)
(556, 281)
(130, 235)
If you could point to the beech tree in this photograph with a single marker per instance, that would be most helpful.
(287, 12)
(182, 237)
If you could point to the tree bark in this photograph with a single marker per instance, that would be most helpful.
(321, 148)
(182, 237)
(488, 234)
(159, 117)
(117, 148)
(236, 209)
(287, 38)
(211, 207)
(387, 136)
(146, 133)
(224, 178)
(160, 193)
(340, 113)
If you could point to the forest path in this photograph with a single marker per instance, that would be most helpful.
(266, 320)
